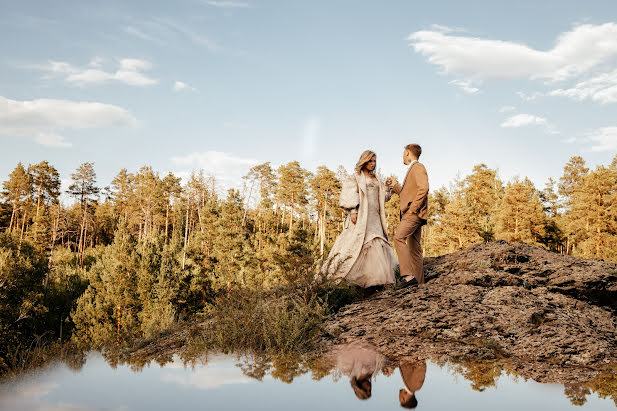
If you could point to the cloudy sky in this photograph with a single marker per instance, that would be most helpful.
(223, 85)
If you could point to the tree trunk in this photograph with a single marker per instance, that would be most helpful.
(291, 215)
(82, 229)
(186, 234)
(166, 221)
(12, 217)
(23, 228)
(54, 233)
(246, 208)
(38, 200)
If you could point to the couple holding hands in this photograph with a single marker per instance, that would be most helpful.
(362, 254)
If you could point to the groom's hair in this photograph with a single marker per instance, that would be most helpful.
(407, 400)
(415, 149)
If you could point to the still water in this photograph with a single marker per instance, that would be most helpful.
(232, 383)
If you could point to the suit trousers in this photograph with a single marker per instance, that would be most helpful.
(408, 246)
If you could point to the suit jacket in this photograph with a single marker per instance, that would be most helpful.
(413, 374)
(414, 191)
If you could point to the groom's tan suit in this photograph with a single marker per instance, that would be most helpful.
(414, 213)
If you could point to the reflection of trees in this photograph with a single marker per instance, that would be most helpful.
(255, 367)
(285, 367)
(576, 394)
(481, 374)
(605, 385)
(75, 360)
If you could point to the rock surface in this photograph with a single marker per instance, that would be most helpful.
(548, 317)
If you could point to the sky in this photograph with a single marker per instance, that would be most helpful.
(222, 85)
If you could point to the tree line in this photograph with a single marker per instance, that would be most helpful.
(130, 259)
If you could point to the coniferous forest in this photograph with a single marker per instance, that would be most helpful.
(130, 260)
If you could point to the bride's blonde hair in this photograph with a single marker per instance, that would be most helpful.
(365, 157)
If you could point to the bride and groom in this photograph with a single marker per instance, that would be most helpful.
(362, 254)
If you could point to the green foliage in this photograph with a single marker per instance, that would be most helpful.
(22, 310)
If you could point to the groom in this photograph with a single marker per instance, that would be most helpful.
(414, 213)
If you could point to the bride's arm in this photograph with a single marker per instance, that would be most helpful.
(350, 198)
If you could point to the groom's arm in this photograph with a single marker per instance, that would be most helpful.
(396, 187)
(419, 174)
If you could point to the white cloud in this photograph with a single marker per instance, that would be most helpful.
(603, 139)
(42, 119)
(575, 52)
(523, 120)
(601, 88)
(529, 97)
(228, 4)
(507, 109)
(225, 167)
(520, 120)
(128, 71)
(134, 31)
(180, 86)
(465, 85)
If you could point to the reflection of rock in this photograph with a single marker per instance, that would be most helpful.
(549, 317)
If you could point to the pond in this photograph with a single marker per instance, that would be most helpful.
(336, 382)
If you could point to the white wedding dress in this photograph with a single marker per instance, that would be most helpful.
(376, 263)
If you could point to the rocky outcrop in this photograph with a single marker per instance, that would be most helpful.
(550, 317)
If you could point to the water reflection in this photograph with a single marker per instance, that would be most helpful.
(413, 373)
(349, 376)
(361, 363)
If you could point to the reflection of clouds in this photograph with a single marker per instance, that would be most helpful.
(216, 372)
(209, 377)
(35, 389)
(71, 407)
(30, 395)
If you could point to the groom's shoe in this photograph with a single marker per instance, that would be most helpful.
(405, 283)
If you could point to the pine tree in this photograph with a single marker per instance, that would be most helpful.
(325, 191)
(482, 192)
(107, 312)
(16, 191)
(573, 172)
(46, 183)
(148, 195)
(456, 229)
(292, 189)
(171, 190)
(521, 217)
(84, 189)
(232, 250)
(593, 220)
(122, 192)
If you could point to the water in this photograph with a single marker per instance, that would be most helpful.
(222, 383)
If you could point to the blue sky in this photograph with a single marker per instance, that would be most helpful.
(223, 85)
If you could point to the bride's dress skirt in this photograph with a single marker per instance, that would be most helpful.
(375, 264)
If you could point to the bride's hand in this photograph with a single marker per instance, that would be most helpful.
(354, 217)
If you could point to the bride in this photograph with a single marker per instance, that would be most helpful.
(362, 254)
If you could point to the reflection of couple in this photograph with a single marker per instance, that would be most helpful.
(362, 254)
(362, 363)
